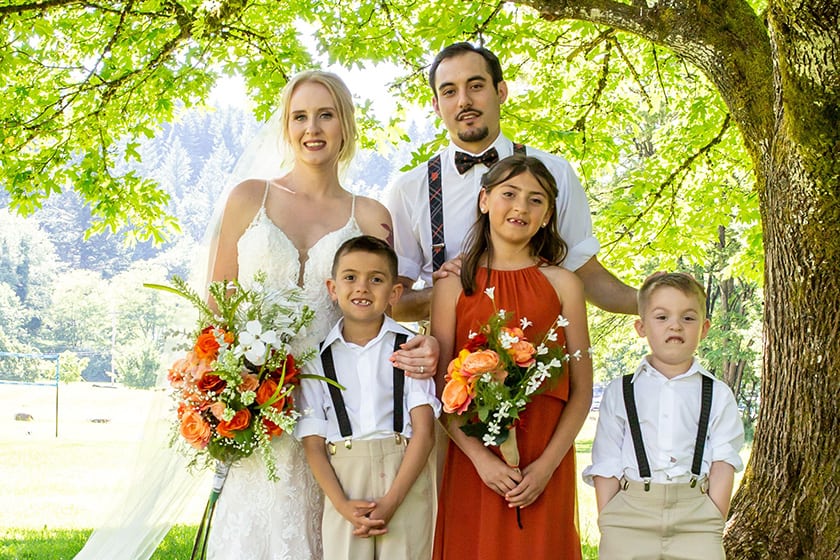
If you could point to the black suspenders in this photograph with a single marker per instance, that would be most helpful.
(636, 429)
(338, 399)
(433, 169)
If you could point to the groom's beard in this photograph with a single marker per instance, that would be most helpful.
(474, 134)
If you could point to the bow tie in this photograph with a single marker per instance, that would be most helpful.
(464, 162)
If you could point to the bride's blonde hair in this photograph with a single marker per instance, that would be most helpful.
(343, 100)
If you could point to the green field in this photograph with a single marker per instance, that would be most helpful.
(56, 489)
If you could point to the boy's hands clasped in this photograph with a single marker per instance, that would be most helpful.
(370, 519)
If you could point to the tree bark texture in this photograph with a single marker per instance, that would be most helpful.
(779, 74)
(787, 506)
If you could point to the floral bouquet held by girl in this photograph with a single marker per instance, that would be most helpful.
(233, 387)
(492, 380)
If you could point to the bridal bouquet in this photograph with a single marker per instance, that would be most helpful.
(233, 387)
(496, 375)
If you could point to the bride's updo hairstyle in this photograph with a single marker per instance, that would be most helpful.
(546, 244)
(343, 100)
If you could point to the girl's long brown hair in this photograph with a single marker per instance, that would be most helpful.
(546, 242)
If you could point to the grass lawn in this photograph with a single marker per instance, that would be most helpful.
(56, 489)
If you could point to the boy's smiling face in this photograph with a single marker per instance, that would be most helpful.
(674, 324)
(363, 286)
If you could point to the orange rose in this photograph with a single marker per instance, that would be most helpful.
(228, 337)
(196, 367)
(240, 421)
(211, 384)
(456, 397)
(217, 409)
(522, 353)
(292, 370)
(176, 373)
(206, 346)
(273, 429)
(250, 382)
(195, 429)
(453, 370)
(266, 392)
(483, 361)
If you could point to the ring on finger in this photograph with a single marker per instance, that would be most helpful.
(422, 368)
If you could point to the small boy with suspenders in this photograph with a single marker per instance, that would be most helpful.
(368, 432)
(668, 437)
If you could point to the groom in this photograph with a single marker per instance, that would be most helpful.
(433, 205)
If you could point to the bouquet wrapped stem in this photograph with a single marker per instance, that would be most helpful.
(199, 551)
(510, 453)
(510, 450)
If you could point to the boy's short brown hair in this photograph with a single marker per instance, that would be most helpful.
(681, 281)
(368, 244)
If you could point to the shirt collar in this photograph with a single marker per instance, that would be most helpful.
(695, 368)
(388, 325)
(502, 145)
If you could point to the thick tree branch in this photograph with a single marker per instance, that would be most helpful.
(36, 6)
(725, 39)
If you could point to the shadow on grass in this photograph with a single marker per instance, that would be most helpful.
(63, 544)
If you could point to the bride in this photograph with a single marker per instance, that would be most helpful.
(289, 228)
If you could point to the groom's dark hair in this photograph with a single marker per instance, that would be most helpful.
(494, 67)
(368, 244)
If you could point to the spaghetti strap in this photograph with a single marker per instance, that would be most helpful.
(353, 206)
(265, 194)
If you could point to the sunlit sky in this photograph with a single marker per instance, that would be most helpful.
(370, 83)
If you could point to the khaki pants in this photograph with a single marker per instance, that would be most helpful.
(366, 472)
(669, 522)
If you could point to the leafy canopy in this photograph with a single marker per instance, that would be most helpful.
(648, 134)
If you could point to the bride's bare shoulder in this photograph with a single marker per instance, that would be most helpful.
(373, 217)
(247, 193)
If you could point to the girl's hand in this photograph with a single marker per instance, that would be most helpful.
(535, 478)
(418, 357)
(495, 473)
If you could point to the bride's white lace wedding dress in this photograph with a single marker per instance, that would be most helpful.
(257, 519)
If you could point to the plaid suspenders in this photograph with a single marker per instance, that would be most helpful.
(436, 207)
(338, 400)
(636, 430)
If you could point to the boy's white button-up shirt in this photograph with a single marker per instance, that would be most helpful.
(669, 412)
(367, 376)
(407, 198)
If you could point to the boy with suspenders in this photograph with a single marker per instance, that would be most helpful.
(368, 442)
(666, 447)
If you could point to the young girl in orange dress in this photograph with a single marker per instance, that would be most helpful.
(488, 509)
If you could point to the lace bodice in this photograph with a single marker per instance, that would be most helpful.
(265, 247)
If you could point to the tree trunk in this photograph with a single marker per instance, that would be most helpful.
(788, 502)
(779, 76)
